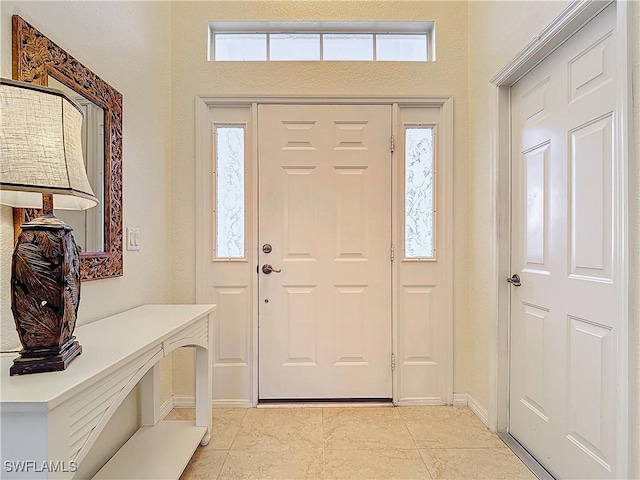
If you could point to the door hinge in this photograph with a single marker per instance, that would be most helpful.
(393, 144)
(393, 361)
(393, 253)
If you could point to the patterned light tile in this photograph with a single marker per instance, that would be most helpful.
(287, 464)
(435, 412)
(204, 465)
(365, 428)
(359, 443)
(226, 424)
(447, 427)
(374, 464)
(272, 429)
(475, 463)
(181, 414)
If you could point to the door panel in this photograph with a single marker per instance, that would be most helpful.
(591, 153)
(563, 317)
(325, 209)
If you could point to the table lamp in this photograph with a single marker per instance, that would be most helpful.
(42, 165)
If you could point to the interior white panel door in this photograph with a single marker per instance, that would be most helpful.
(325, 212)
(564, 316)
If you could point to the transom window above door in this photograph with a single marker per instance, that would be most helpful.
(322, 41)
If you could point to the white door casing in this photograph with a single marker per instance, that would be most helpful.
(422, 342)
(565, 320)
(325, 208)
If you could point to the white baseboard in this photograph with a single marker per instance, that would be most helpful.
(409, 401)
(232, 403)
(460, 399)
(189, 401)
(166, 407)
(480, 411)
(184, 401)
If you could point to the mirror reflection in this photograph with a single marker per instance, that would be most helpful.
(88, 225)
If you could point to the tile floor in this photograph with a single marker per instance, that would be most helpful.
(351, 443)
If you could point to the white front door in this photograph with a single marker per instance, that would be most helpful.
(325, 228)
(564, 318)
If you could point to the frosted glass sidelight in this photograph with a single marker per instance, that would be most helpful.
(401, 47)
(240, 47)
(230, 192)
(347, 46)
(294, 46)
(418, 192)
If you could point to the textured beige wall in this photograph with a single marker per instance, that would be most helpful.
(494, 38)
(128, 45)
(192, 74)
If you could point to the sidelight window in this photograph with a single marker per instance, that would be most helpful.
(230, 196)
(419, 192)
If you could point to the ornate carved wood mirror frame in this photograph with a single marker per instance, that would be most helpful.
(35, 58)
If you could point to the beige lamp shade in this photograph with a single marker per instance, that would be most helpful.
(41, 148)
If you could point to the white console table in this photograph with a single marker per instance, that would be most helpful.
(49, 421)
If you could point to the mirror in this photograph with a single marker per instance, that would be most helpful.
(88, 225)
(99, 230)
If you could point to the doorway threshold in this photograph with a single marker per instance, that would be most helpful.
(325, 403)
(536, 468)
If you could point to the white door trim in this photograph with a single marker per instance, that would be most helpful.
(446, 158)
(565, 25)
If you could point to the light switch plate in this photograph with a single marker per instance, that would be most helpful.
(133, 238)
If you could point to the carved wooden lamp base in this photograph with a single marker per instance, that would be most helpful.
(45, 294)
(46, 360)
